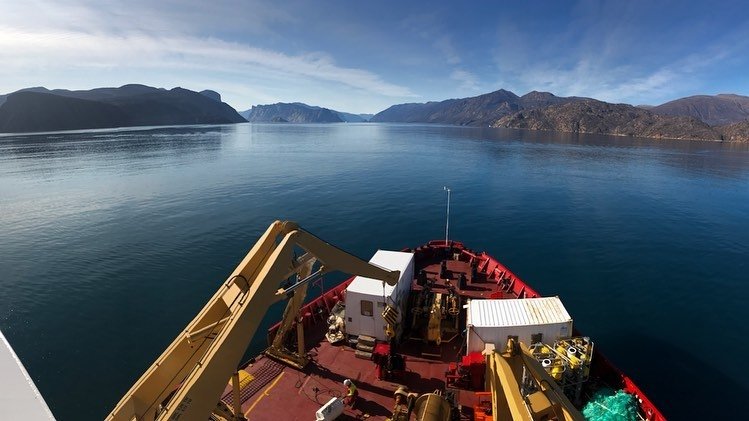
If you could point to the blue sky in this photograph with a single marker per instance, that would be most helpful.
(365, 56)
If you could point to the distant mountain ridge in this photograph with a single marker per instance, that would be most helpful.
(480, 110)
(297, 112)
(723, 116)
(598, 117)
(592, 116)
(91, 94)
(354, 118)
(41, 109)
(715, 110)
(703, 117)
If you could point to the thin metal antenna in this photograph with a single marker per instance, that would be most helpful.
(447, 223)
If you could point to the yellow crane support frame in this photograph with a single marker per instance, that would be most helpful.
(277, 349)
(195, 368)
(504, 372)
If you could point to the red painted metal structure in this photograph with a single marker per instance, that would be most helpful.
(281, 392)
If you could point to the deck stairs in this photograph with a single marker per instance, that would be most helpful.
(365, 347)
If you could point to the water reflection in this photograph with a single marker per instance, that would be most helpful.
(126, 144)
(698, 158)
(137, 227)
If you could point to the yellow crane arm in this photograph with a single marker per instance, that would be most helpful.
(504, 373)
(201, 360)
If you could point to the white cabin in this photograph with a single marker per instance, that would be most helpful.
(493, 321)
(366, 297)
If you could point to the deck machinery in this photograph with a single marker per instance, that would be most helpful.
(435, 333)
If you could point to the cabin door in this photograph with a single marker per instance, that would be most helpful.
(367, 325)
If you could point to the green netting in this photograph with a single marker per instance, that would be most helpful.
(607, 405)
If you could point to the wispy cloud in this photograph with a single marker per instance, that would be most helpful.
(429, 28)
(467, 80)
(366, 57)
(605, 80)
(445, 45)
(101, 39)
(163, 16)
(21, 51)
(601, 54)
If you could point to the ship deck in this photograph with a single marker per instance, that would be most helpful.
(280, 392)
(291, 393)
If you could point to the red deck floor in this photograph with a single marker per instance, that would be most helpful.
(295, 394)
(279, 392)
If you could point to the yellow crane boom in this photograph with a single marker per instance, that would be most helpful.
(505, 371)
(195, 368)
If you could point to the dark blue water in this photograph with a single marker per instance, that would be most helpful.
(110, 242)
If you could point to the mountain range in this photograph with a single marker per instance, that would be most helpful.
(592, 116)
(690, 120)
(718, 117)
(41, 109)
(717, 110)
(297, 112)
(480, 110)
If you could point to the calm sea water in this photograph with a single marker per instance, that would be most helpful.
(111, 241)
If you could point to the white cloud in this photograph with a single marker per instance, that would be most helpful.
(95, 38)
(599, 55)
(629, 83)
(445, 46)
(162, 16)
(468, 81)
(21, 51)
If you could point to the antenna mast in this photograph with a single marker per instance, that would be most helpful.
(447, 222)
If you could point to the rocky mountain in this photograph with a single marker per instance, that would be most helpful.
(737, 132)
(592, 116)
(40, 109)
(3, 98)
(714, 110)
(93, 94)
(211, 94)
(298, 112)
(480, 110)
(42, 112)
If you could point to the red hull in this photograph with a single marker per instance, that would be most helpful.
(281, 392)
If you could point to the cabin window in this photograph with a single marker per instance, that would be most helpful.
(367, 308)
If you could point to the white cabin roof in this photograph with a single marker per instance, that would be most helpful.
(19, 397)
(517, 312)
(392, 260)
